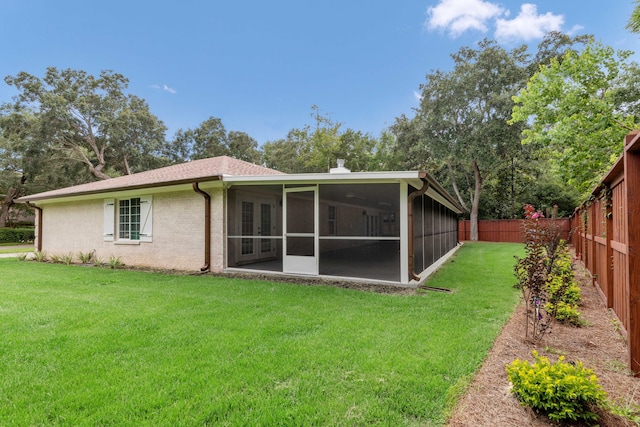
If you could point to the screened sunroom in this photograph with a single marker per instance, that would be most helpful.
(340, 225)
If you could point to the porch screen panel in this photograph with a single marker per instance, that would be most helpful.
(418, 233)
(254, 227)
(359, 228)
(439, 231)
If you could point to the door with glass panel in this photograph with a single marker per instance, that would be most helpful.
(300, 245)
(257, 222)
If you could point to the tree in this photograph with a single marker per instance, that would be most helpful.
(579, 108)
(210, 139)
(461, 123)
(27, 164)
(317, 148)
(91, 120)
(241, 146)
(634, 20)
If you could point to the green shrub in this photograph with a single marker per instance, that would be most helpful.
(564, 312)
(86, 257)
(563, 292)
(17, 235)
(40, 256)
(563, 391)
(115, 262)
(67, 259)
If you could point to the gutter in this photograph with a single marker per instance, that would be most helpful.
(39, 238)
(207, 227)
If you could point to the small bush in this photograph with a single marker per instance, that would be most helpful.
(40, 256)
(115, 262)
(17, 235)
(67, 259)
(22, 257)
(563, 391)
(563, 292)
(54, 259)
(97, 261)
(86, 257)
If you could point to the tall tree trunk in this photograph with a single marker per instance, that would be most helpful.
(455, 187)
(12, 194)
(473, 216)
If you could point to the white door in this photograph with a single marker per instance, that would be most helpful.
(300, 243)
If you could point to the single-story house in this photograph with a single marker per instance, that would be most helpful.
(223, 214)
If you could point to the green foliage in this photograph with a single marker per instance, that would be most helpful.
(563, 292)
(22, 256)
(564, 312)
(16, 235)
(84, 119)
(40, 256)
(86, 257)
(316, 148)
(633, 24)
(115, 262)
(67, 259)
(578, 111)
(625, 410)
(211, 139)
(563, 391)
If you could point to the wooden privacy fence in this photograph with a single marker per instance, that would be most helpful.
(504, 230)
(607, 239)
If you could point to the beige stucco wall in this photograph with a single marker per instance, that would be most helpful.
(178, 227)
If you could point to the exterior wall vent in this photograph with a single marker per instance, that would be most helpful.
(340, 168)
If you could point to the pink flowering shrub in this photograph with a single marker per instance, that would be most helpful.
(542, 242)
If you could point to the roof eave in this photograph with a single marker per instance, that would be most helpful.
(44, 196)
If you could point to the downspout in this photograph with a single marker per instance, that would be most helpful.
(39, 238)
(410, 199)
(207, 227)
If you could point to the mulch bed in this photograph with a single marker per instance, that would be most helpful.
(599, 345)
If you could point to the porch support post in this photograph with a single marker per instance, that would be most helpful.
(404, 234)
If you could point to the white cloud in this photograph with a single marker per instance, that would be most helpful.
(458, 16)
(528, 24)
(168, 89)
(164, 88)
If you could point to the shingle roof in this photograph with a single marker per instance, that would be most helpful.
(197, 170)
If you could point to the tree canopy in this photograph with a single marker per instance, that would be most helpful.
(90, 119)
(579, 108)
(461, 123)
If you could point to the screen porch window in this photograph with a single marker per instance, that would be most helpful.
(129, 219)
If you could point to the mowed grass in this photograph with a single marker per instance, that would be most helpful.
(94, 346)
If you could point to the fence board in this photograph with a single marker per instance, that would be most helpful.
(504, 230)
(607, 239)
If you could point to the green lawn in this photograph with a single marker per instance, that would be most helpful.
(15, 248)
(94, 346)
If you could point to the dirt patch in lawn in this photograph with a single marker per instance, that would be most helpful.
(599, 345)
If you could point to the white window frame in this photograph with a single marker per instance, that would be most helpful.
(112, 219)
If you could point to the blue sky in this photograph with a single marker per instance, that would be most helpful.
(260, 65)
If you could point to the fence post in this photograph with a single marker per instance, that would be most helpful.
(632, 179)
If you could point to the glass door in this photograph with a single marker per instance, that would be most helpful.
(300, 227)
(256, 221)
